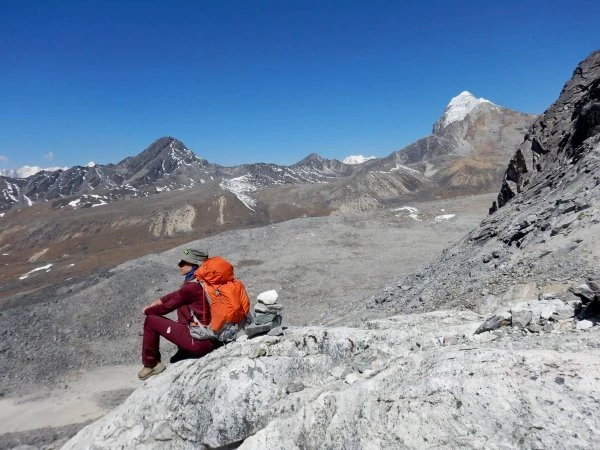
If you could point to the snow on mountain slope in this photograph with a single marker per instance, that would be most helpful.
(460, 106)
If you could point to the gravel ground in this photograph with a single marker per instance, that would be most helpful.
(319, 266)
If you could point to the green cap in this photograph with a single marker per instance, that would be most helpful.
(193, 256)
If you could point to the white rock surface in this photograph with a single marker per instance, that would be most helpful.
(409, 381)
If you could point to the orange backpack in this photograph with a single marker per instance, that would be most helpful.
(229, 302)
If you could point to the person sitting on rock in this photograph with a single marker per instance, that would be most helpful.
(191, 305)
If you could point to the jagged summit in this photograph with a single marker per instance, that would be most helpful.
(164, 148)
(312, 158)
(459, 107)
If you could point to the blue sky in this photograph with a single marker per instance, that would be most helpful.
(268, 81)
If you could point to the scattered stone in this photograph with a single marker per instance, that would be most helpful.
(534, 327)
(594, 285)
(258, 352)
(494, 322)
(450, 340)
(337, 372)
(352, 378)
(584, 324)
(294, 387)
(254, 329)
(521, 319)
(583, 291)
(277, 331)
(486, 337)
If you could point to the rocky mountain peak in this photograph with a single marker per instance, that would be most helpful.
(458, 108)
(312, 158)
(163, 149)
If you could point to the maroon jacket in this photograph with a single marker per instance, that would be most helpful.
(189, 296)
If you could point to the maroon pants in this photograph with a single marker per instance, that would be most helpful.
(175, 332)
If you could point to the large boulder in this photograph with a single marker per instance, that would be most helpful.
(405, 382)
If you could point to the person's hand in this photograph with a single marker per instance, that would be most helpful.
(154, 303)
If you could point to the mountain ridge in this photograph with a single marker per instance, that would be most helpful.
(167, 164)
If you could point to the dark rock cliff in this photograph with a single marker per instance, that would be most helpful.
(558, 136)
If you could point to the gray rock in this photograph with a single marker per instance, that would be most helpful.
(254, 329)
(548, 309)
(277, 331)
(494, 322)
(450, 340)
(430, 393)
(594, 285)
(294, 387)
(584, 324)
(583, 291)
(268, 309)
(258, 352)
(521, 319)
(262, 318)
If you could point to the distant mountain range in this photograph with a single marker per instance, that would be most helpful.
(84, 219)
(466, 152)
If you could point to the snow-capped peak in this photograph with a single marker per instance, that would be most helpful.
(91, 164)
(459, 107)
(357, 159)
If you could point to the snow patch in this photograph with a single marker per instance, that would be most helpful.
(400, 167)
(91, 164)
(357, 159)
(444, 217)
(460, 106)
(74, 203)
(413, 212)
(46, 268)
(241, 187)
(2, 215)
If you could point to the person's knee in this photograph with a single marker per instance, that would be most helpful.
(151, 321)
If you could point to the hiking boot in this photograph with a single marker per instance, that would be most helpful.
(147, 372)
